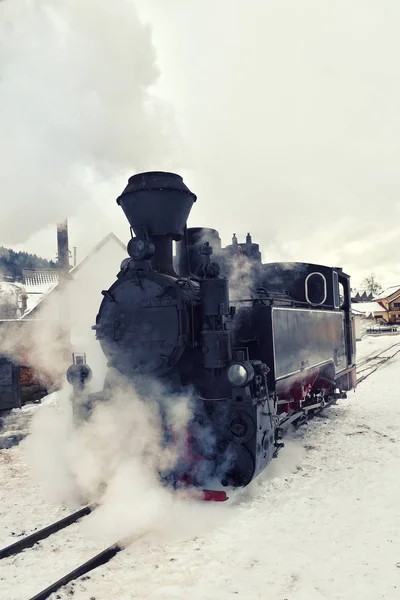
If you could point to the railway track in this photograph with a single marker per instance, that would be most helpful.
(371, 363)
(30, 540)
(100, 559)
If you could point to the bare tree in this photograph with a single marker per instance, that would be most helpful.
(371, 285)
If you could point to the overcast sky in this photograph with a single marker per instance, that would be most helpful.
(284, 120)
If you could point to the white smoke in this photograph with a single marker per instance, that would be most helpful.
(241, 278)
(114, 460)
(76, 111)
(11, 304)
(36, 341)
(76, 107)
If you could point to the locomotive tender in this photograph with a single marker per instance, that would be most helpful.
(258, 346)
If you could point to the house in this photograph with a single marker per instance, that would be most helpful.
(385, 308)
(389, 301)
(358, 324)
(371, 310)
(36, 342)
(73, 308)
(366, 315)
(102, 263)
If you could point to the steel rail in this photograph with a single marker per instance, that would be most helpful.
(29, 540)
(373, 356)
(376, 366)
(100, 559)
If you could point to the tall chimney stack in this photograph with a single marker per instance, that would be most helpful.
(63, 292)
(63, 249)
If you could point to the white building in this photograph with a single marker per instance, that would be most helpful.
(76, 308)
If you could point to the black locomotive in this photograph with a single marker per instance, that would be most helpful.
(258, 346)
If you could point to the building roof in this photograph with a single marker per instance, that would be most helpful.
(107, 238)
(37, 284)
(368, 308)
(388, 292)
(41, 278)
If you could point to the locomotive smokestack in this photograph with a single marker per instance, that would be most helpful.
(157, 206)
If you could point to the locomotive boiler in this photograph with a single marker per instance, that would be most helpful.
(257, 346)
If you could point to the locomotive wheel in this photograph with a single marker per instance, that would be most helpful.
(236, 466)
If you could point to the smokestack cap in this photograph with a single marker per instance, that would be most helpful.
(157, 203)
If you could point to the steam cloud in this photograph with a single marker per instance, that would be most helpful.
(76, 106)
(241, 278)
(114, 460)
(10, 299)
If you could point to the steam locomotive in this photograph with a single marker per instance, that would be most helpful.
(257, 346)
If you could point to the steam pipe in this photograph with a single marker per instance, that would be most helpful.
(162, 260)
(189, 250)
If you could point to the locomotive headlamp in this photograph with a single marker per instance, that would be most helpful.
(140, 249)
(79, 374)
(240, 374)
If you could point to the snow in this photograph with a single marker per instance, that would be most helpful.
(371, 344)
(322, 523)
(368, 308)
(15, 424)
(34, 298)
(388, 292)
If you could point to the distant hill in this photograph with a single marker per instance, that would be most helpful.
(12, 263)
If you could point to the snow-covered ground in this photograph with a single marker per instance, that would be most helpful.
(371, 344)
(322, 523)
